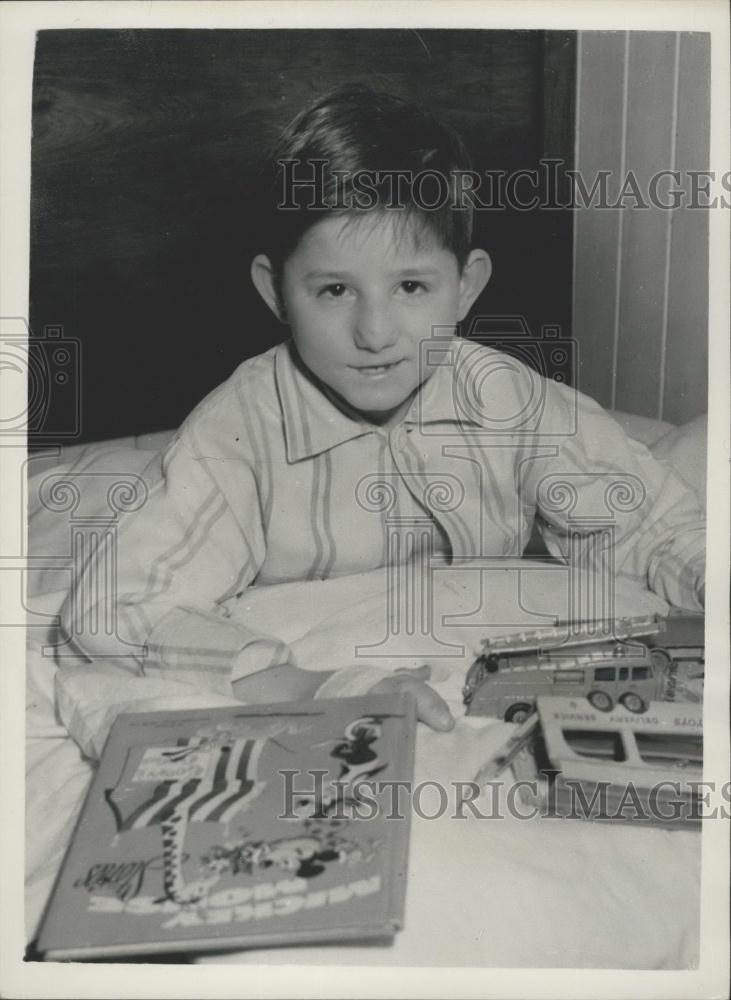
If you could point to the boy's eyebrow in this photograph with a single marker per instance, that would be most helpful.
(416, 271)
(327, 274)
(406, 272)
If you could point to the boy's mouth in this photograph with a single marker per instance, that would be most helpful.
(372, 370)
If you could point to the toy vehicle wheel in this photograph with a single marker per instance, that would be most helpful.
(661, 658)
(518, 712)
(633, 703)
(601, 701)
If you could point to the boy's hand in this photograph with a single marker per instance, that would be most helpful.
(431, 708)
(289, 683)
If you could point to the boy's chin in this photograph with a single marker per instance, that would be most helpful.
(381, 409)
(386, 415)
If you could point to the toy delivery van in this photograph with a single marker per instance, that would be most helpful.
(618, 766)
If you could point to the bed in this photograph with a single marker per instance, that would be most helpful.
(482, 891)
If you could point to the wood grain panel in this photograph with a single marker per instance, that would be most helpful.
(686, 367)
(144, 209)
(154, 111)
(559, 95)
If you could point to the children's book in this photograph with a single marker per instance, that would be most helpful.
(239, 828)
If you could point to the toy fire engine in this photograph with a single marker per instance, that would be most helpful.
(627, 661)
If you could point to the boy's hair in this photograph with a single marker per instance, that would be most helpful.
(358, 150)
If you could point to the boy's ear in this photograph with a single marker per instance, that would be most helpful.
(265, 282)
(475, 275)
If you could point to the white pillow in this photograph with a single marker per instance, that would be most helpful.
(685, 448)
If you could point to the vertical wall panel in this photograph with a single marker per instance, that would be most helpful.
(599, 147)
(648, 150)
(686, 384)
(640, 273)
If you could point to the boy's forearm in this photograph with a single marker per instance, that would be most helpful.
(679, 577)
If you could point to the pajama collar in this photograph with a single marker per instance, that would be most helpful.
(314, 424)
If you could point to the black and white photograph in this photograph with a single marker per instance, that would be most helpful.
(364, 430)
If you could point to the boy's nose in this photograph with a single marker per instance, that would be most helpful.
(374, 329)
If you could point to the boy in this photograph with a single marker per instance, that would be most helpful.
(268, 480)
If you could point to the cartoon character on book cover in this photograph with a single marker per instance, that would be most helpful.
(214, 776)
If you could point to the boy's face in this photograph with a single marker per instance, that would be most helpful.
(360, 296)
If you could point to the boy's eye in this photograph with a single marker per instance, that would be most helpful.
(411, 287)
(335, 291)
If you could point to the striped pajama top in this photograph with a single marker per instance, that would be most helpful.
(269, 481)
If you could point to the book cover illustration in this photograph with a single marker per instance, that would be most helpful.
(237, 828)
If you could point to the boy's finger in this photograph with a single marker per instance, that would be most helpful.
(431, 708)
